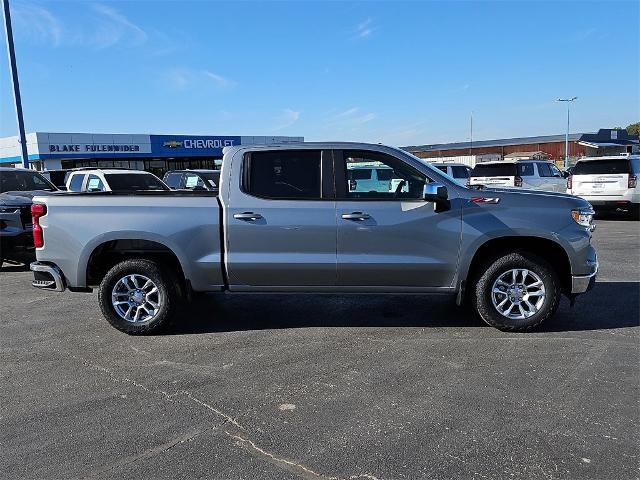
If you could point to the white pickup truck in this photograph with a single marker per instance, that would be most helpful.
(290, 219)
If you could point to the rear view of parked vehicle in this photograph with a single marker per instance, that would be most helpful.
(114, 181)
(526, 174)
(608, 183)
(17, 188)
(193, 180)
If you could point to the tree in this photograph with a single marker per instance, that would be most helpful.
(634, 129)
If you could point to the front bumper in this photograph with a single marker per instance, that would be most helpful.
(47, 277)
(584, 283)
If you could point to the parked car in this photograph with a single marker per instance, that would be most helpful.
(17, 188)
(526, 174)
(608, 183)
(365, 176)
(458, 171)
(193, 179)
(109, 180)
(287, 220)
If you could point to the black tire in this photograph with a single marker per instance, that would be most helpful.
(482, 294)
(168, 299)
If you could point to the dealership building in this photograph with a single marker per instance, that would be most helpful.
(604, 142)
(154, 153)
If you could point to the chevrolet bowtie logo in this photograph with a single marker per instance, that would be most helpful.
(172, 144)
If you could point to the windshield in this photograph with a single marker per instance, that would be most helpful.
(494, 170)
(601, 166)
(23, 181)
(134, 182)
(212, 177)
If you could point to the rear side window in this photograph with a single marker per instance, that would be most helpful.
(76, 183)
(94, 184)
(173, 179)
(494, 170)
(525, 170)
(459, 172)
(292, 174)
(544, 170)
(441, 168)
(359, 173)
(590, 167)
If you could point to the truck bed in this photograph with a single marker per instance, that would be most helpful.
(77, 225)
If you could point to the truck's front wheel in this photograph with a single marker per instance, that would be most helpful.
(138, 296)
(517, 292)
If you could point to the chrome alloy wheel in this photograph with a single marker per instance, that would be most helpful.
(136, 298)
(518, 294)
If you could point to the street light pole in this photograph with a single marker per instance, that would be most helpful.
(566, 137)
(16, 86)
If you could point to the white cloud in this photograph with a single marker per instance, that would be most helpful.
(102, 27)
(179, 78)
(36, 23)
(364, 29)
(219, 80)
(287, 118)
(353, 116)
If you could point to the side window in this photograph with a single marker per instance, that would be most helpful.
(555, 171)
(173, 180)
(635, 166)
(398, 180)
(460, 172)
(544, 169)
(76, 183)
(283, 174)
(94, 184)
(525, 169)
(442, 168)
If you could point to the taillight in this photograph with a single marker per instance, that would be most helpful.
(517, 182)
(38, 210)
(569, 182)
(633, 181)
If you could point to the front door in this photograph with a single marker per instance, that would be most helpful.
(390, 237)
(281, 224)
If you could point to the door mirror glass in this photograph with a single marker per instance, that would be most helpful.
(435, 192)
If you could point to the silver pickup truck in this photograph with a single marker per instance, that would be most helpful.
(298, 218)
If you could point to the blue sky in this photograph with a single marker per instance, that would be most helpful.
(392, 72)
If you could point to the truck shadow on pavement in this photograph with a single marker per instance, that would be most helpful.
(609, 305)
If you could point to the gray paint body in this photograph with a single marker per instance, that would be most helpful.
(406, 246)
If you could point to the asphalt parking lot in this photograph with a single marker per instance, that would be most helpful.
(325, 387)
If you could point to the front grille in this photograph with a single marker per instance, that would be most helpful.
(25, 215)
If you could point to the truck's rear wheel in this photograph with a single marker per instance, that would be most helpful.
(517, 292)
(138, 296)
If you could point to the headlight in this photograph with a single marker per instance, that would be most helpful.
(583, 216)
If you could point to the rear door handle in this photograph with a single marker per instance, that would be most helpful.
(356, 216)
(248, 216)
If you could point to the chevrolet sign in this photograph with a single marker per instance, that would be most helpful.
(172, 144)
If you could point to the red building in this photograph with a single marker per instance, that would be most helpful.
(604, 142)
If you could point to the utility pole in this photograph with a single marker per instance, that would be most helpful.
(566, 137)
(16, 86)
(471, 136)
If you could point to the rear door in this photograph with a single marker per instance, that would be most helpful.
(551, 177)
(280, 221)
(606, 177)
(392, 238)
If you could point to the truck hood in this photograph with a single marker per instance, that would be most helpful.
(537, 197)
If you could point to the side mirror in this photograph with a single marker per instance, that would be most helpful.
(435, 192)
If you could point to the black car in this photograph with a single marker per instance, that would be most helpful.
(193, 179)
(18, 186)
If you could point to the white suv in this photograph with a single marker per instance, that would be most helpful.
(458, 171)
(607, 182)
(528, 174)
(113, 180)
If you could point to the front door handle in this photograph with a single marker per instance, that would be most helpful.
(356, 216)
(248, 216)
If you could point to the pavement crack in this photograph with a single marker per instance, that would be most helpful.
(168, 396)
(290, 465)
